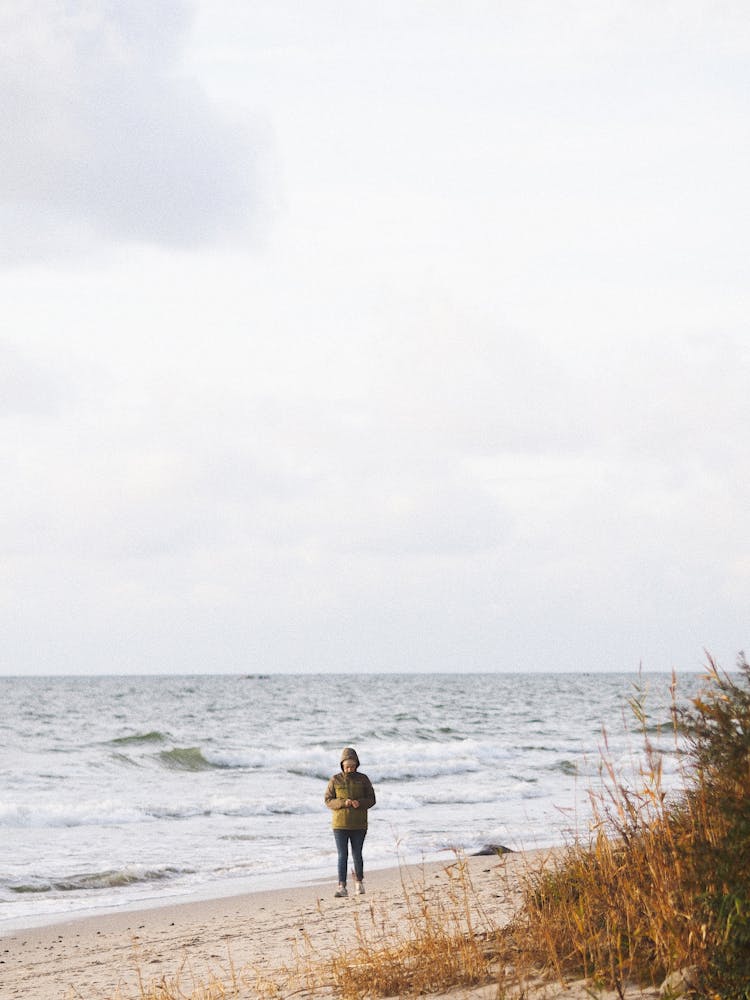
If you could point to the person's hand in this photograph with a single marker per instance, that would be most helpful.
(352, 803)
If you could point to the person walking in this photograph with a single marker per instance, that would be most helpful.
(350, 796)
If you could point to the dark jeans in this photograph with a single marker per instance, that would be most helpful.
(356, 838)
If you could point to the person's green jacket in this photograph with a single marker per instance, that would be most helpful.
(349, 786)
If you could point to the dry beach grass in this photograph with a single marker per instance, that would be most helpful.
(658, 886)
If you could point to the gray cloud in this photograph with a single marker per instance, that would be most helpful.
(108, 137)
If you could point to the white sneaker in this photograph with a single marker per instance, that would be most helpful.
(341, 891)
(359, 888)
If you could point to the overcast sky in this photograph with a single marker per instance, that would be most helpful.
(354, 336)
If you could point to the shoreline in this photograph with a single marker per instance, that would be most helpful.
(16, 925)
(217, 891)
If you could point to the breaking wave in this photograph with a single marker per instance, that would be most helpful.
(187, 759)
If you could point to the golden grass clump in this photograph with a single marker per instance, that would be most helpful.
(444, 940)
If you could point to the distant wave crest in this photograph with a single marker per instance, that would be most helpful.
(151, 737)
(83, 881)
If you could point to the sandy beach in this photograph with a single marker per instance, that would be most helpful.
(258, 934)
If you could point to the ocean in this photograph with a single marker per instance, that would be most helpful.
(134, 791)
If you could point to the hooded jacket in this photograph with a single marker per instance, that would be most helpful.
(353, 785)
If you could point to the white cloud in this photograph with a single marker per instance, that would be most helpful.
(107, 136)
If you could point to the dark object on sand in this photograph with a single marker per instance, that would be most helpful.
(492, 849)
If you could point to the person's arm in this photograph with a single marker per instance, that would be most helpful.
(331, 799)
(368, 800)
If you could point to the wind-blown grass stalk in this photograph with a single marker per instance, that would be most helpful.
(444, 939)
